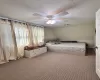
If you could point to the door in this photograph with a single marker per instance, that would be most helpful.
(98, 43)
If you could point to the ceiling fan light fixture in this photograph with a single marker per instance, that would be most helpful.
(51, 22)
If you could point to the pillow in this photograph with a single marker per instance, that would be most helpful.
(29, 47)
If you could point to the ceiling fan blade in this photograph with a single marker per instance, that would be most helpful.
(38, 15)
(36, 18)
(58, 11)
(64, 8)
(61, 18)
(71, 4)
(63, 13)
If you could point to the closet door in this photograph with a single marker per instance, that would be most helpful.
(98, 43)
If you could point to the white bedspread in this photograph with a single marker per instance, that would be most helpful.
(75, 48)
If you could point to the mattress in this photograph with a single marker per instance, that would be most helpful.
(71, 48)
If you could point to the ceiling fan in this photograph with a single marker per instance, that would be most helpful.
(53, 17)
(57, 15)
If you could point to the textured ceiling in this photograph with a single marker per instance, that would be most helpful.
(80, 11)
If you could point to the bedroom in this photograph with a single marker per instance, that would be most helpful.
(49, 40)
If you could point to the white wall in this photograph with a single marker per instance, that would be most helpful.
(48, 34)
(82, 33)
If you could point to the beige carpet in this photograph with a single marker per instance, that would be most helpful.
(50, 66)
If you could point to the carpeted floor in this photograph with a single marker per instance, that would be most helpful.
(51, 66)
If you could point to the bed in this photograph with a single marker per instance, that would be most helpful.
(69, 48)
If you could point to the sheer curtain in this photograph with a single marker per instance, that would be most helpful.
(14, 37)
(2, 59)
(22, 37)
(38, 35)
(6, 42)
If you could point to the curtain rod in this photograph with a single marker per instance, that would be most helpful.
(10, 19)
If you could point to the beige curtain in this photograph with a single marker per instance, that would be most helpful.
(22, 37)
(2, 60)
(6, 42)
(38, 35)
